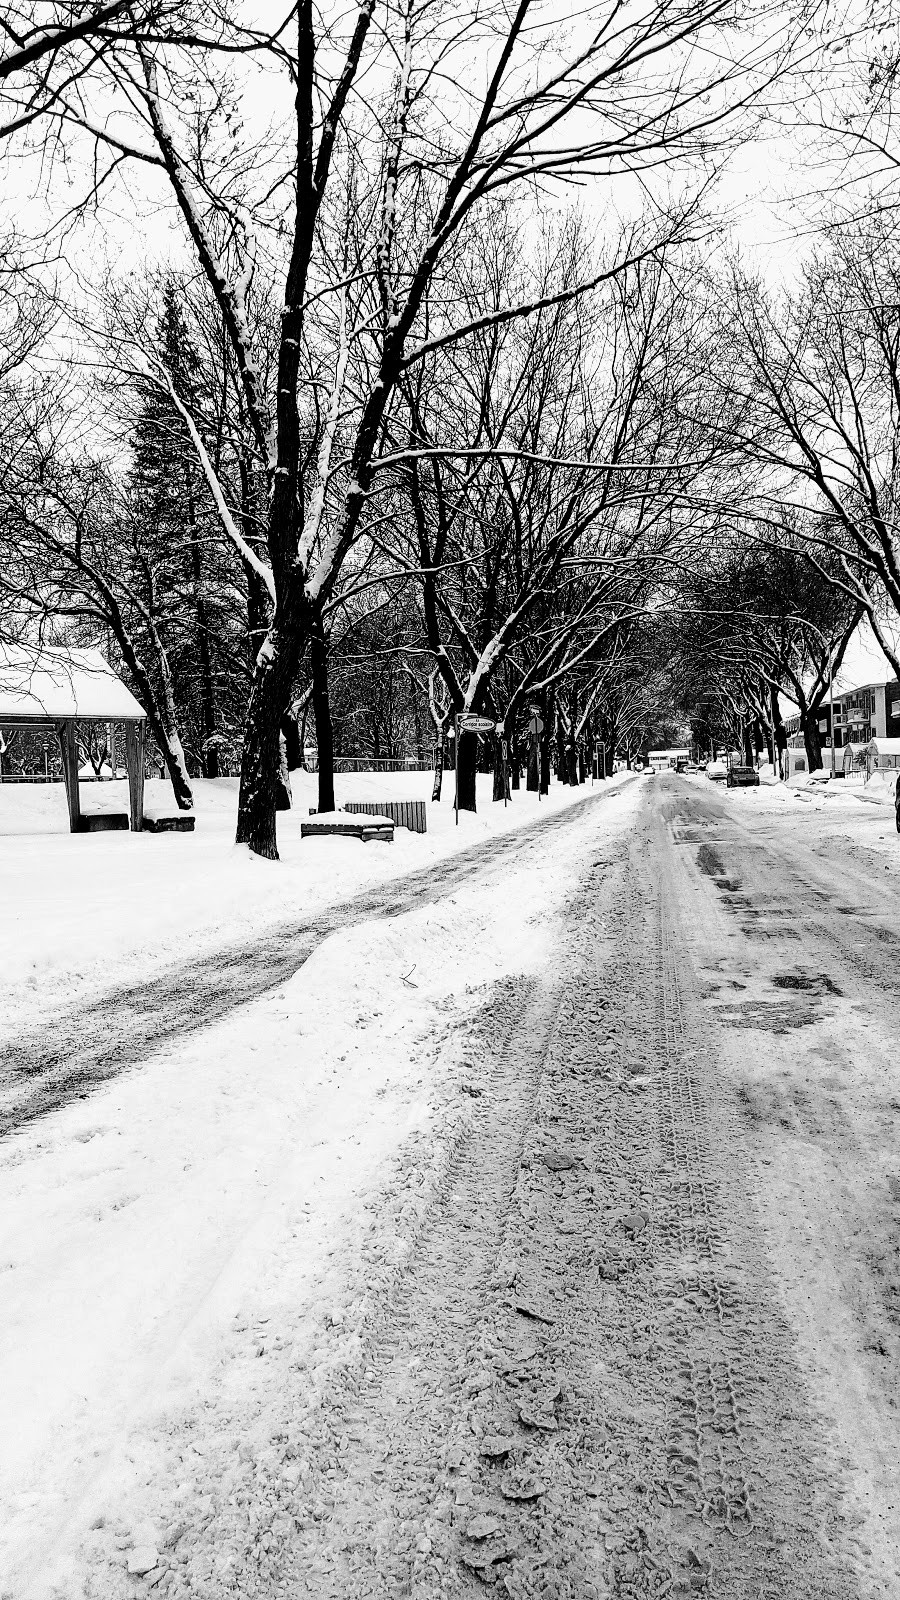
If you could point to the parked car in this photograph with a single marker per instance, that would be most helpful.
(742, 777)
(717, 771)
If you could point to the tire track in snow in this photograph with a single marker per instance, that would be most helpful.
(588, 1284)
(745, 1466)
(588, 1288)
(708, 1470)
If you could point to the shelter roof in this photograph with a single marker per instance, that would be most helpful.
(50, 682)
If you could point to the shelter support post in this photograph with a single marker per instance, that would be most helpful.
(134, 766)
(69, 749)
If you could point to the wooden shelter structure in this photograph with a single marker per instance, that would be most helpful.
(56, 687)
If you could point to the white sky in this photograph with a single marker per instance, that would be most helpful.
(761, 191)
(864, 662)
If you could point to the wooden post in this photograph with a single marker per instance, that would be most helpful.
(66, 731)
(134, 765)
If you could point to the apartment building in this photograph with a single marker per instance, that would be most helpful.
(870, 712)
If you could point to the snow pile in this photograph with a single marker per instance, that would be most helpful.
(84, 911)
(882, 787)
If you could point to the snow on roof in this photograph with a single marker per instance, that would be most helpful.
(885, 747)
(55, 681)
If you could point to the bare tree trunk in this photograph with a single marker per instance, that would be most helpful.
(533, 778)
(162, 719)
(303, 725)
(173, 752)
(466, 764)
(258, 796)
(811, 740)
(322, 713)
(173, 756)
(284, 799)
(258, 604)
(501, 771)
(766, 732)
(438, 767)
(293, 749)
(209, 748)
(781, 743)
(277, 665)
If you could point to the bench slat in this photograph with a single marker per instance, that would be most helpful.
(409, 814)
(349, 830)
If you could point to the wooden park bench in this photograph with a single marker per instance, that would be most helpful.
(409, 814)
(348, 827)
(110, 821)
(172, 822)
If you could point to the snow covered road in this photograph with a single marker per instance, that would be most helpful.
(555, 1248)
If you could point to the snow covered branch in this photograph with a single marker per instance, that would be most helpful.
(245, 550)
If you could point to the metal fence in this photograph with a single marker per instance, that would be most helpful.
(57, 777)
(369, 764)
(341, 764)
(31, 777)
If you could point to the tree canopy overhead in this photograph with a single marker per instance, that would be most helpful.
(365, 367)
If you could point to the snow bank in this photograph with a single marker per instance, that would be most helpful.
(83, 912)
(881, 787)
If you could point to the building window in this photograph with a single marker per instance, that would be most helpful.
(895, 708)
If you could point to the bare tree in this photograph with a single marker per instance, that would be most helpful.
(533, 104)
(536, 540)
(819, 380)
(53, 52)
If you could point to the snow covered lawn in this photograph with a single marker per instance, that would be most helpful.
(84, 912)
(185, 1252)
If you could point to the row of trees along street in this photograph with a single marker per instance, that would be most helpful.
(326, 409)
